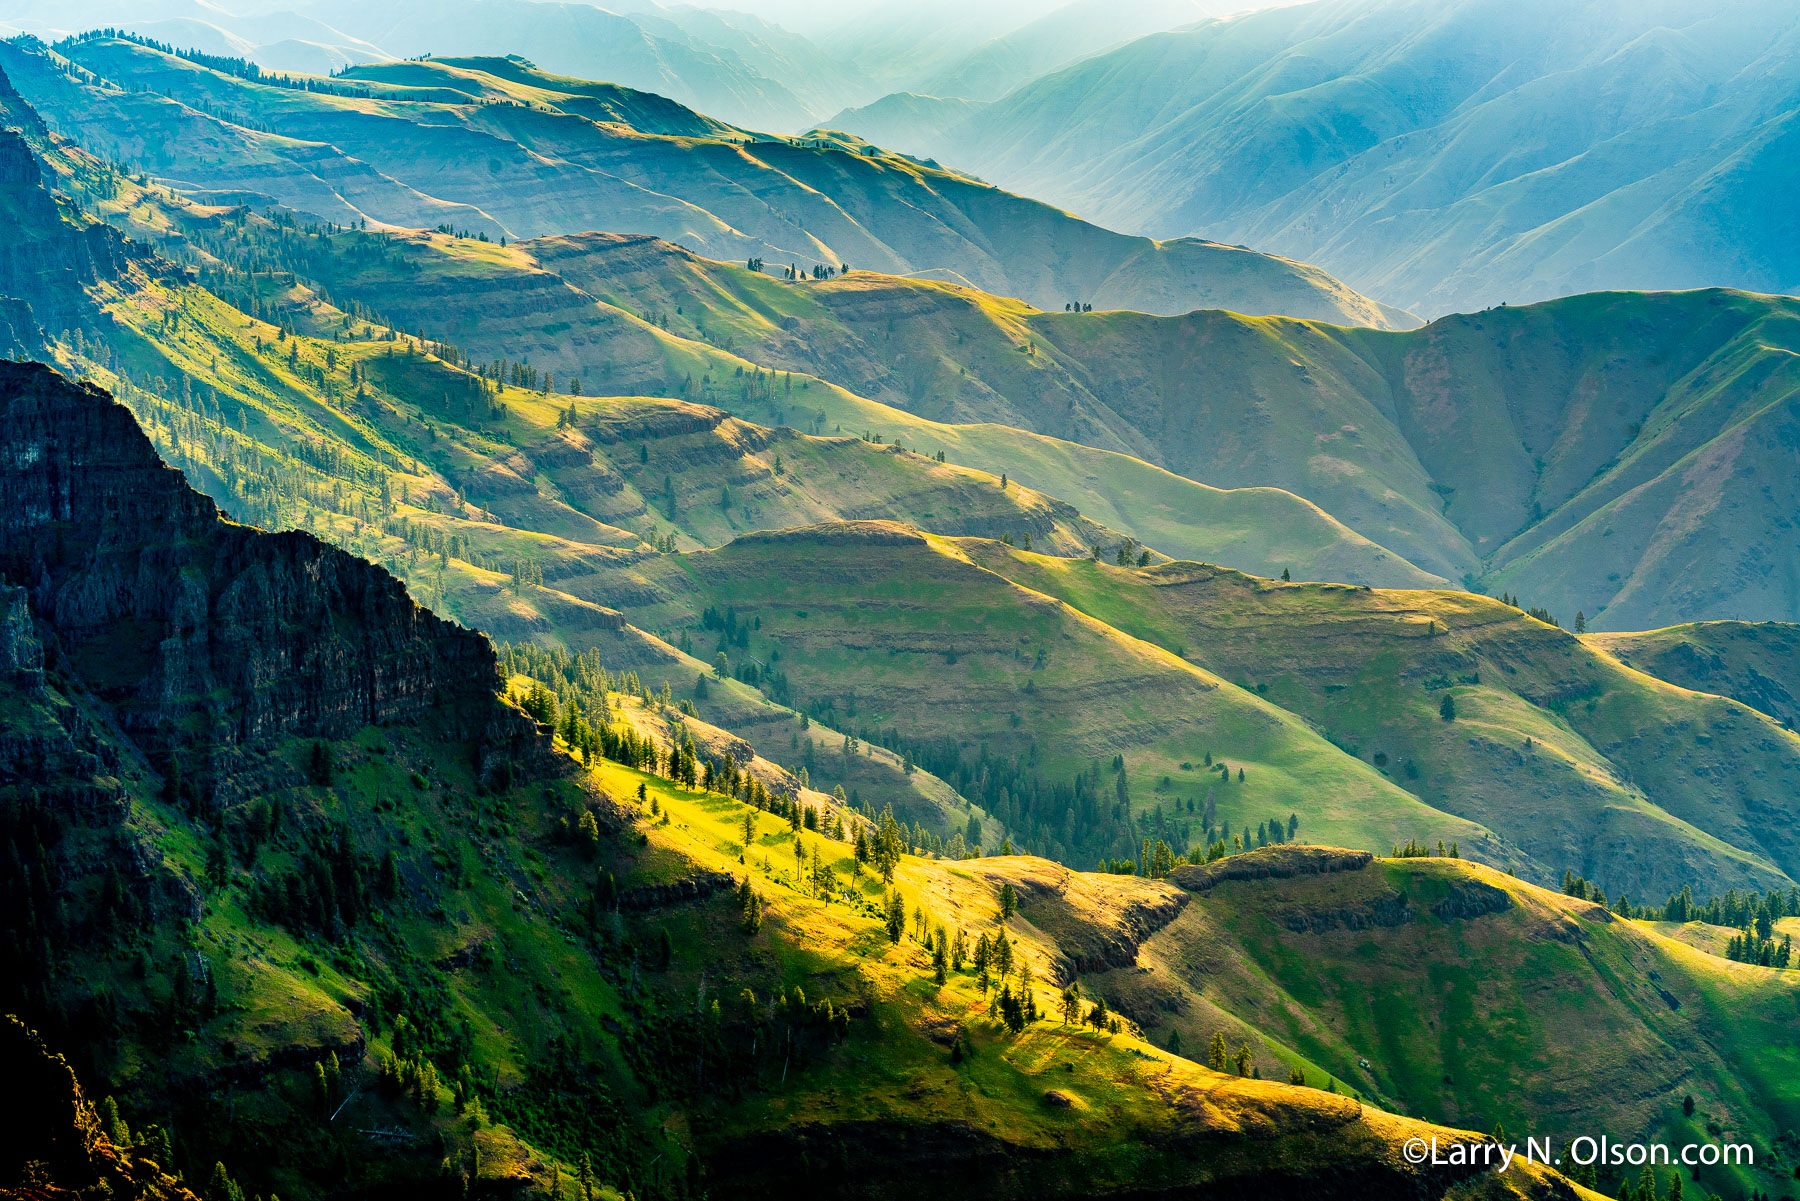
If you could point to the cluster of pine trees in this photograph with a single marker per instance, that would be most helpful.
(1415, 849)
(330, 885)
(1542, 614)
(1752, 915)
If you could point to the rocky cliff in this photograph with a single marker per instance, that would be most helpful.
(201, 636)
(53, 1142)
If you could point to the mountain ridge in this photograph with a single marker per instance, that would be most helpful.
(551, 169)
(1427, 154)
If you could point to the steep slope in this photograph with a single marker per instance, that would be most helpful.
(387, 144)
(487, 497)
(1022, 703)
(1457, 993)
(1758, 664)
(1577, 762)
(614, 314)
(591, 42)
(206, 639)
(1571, 452)
(906, 121)
(428, 455)
(1626, 456)
(1457, 446)
(342, 960)
(1441, 157)
(892, 43)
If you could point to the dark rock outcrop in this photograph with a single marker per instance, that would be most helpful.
(1389, 909)
(21, 655)
(1100, 948)
(200, 634)
(1373, 904)
(838, 533)
(1095, 929)
(1270, 863)
(1472, 898)
(696, 887)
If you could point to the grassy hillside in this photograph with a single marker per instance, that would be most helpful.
(660, 693)
(1448, 446)
(632, 315)
(1572, 759)
(901, 640)
(551, 1033)
(1453, 445)
(715, 67)
(477, 491)
(289, 409)
(1748, 662)
(1453, 449)
(1457, 993)
(1441, 159)
(904, 121)
(541, 515)
(501, 148)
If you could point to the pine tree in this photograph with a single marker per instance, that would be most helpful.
(221, 1187)
(319, 766)
(1216, 1052)
(113, 1124)
(896, 917)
